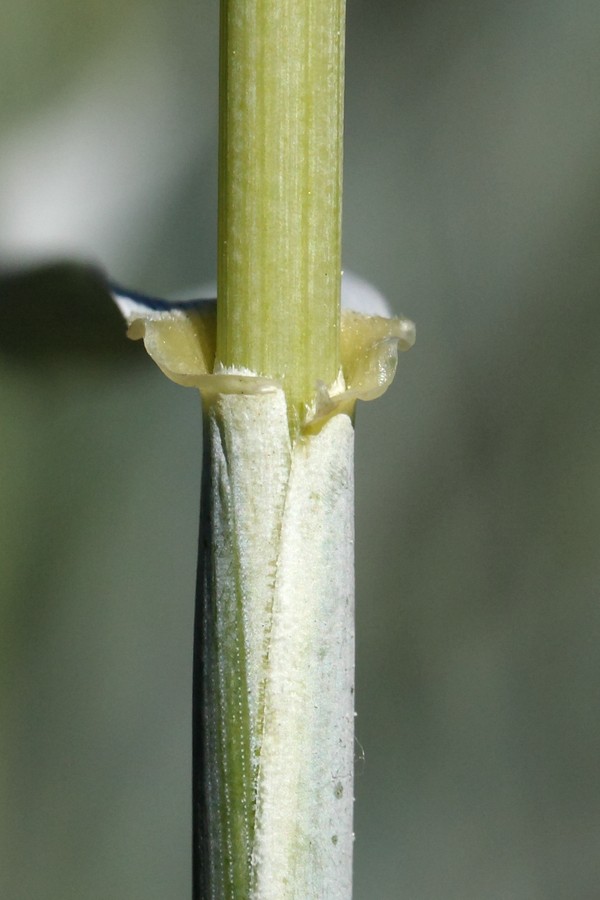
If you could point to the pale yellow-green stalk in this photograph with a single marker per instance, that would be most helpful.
(280, 181)
(280, 369)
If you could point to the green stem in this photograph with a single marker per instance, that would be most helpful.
(273, 738)
(280, 172)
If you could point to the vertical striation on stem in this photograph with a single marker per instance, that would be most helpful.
(280, 179)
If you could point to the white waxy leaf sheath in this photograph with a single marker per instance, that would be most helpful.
(281, 598)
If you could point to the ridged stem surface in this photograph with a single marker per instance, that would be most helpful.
(280, 174)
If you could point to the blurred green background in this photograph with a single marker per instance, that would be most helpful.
(472, 199)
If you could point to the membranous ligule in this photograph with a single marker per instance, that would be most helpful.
(181, 339)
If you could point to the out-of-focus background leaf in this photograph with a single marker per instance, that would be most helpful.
(472, 200)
